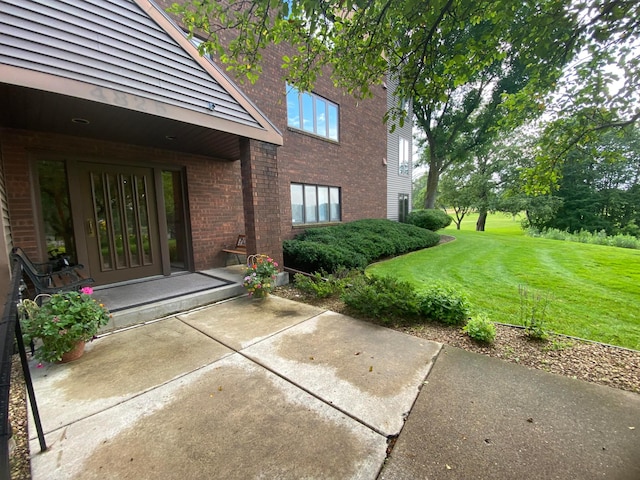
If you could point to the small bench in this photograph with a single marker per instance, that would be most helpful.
(239, 249)
(46, 280)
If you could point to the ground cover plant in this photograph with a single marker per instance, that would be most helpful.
(481, 329)
(387, 300)
(354, 245)
(594, 290)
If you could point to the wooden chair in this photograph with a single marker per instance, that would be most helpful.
(239, 249)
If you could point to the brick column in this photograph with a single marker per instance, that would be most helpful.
(260, 196)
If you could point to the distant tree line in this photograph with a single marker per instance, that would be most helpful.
(598, 185)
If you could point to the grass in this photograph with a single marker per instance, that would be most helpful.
(594, 290)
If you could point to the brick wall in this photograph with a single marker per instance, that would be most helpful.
(260, 196)
(355, 164)
(214, 188)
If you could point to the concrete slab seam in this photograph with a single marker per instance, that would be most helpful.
(264, 339)
(288, 380)
(392, 439)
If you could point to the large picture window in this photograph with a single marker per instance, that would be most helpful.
(311, 113)
(314, 204)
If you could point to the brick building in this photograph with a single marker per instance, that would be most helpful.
(136, 156)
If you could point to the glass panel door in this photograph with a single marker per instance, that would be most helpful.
(175, 214)
(121, 225)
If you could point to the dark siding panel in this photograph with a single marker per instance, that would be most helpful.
(113, 44)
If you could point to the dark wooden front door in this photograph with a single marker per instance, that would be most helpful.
(120, 222)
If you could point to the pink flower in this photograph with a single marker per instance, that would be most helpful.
(39, 365)
(87, 290)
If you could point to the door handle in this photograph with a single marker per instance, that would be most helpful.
(90, 230)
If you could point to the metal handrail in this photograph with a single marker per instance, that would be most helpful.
(10, 330)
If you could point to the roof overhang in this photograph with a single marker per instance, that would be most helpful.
(40, 100)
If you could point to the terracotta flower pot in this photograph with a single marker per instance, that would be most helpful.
(74, 354)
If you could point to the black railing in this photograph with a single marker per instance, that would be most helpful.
(10, 331)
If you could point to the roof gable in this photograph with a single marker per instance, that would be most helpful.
(123, 53)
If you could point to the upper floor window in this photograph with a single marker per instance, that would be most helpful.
(289, 5)
(404, 105)
(403, 157)
(314, 204)
(311, 113)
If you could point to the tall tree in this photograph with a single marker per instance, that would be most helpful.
(514, 154)
(474, 185)
(463, 112)
(463, 63)
(457, 193)
(599, 92)
(599, 184)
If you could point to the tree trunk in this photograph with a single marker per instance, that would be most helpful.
(482, 220)
(432, 184)
(459, 217)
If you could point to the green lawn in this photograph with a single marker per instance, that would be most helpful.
(594, 290)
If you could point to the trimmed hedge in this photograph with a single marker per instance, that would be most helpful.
(354, 245)
(431, 219)
(311, 256)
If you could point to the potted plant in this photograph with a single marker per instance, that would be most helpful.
(260, 276)
(63, 323)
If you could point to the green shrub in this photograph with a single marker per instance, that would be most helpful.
(382, 298)
(442, 303)
(354, 245)
(481, 329)
(624, 241)
(555, 234)
(309, 256)
(431, 219)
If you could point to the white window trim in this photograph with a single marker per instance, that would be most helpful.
(317, 206)
(404, 164)
(328, 104)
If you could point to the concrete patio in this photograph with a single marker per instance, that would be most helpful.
(250, 389)
(240, 389)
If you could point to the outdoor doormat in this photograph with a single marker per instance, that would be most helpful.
(122, 297)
